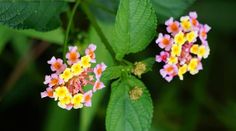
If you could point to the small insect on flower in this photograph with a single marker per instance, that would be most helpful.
(184, 46)
(67, 82)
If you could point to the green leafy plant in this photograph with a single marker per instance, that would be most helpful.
(130, 28)
(40, 15)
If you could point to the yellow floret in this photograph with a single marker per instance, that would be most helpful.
(194, 49)
(78, 100)
(192, 66)
(182, 70)
(176, 50)
(173, 60)
(85, 61)
(203, 51)
(66, 75)
(60, 92)
(65, 100)
(77, 68)
(179, 38)
(191, 36)
(185, 23)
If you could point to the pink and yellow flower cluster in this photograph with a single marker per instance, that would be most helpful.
(73, 85)
(184, 46)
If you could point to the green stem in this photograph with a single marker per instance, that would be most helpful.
(127, 62)
(98, 30)
(68, 29)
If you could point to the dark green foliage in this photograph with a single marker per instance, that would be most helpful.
(40, 15)
(202, 102)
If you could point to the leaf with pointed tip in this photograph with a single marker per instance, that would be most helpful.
(135, 27)
(124, 113)
(149, 62)
(113, 72)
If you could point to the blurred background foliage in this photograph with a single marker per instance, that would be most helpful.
(206, 101)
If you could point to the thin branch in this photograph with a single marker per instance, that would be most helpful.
(98, 30)
(68, 29)
(20, 67)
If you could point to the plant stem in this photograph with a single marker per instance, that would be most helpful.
(68, 29)
(127, 62)
(98, 30)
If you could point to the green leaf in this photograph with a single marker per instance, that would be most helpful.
(170, 8)
(134, 27)
(149, 62)
(40, 15)
(104, 10)
(54, 36)
(130, 107)
(113, 72)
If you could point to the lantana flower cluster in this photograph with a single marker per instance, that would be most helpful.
(184, 46)
(73, 85)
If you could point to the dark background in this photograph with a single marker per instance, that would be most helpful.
(206, 101)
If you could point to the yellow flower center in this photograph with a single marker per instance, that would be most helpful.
(192, 67)
(67, 74)
(61, 92)
(176, 50)
(66, 99)
(194, 49)
(77, 69)
(191, 36)
(173, 60)
(85, 61)
(201, 51)
(77, 100)
(179, 38)
(186, 24)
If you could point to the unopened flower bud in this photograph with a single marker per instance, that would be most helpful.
(139, 69)
(135, 93)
